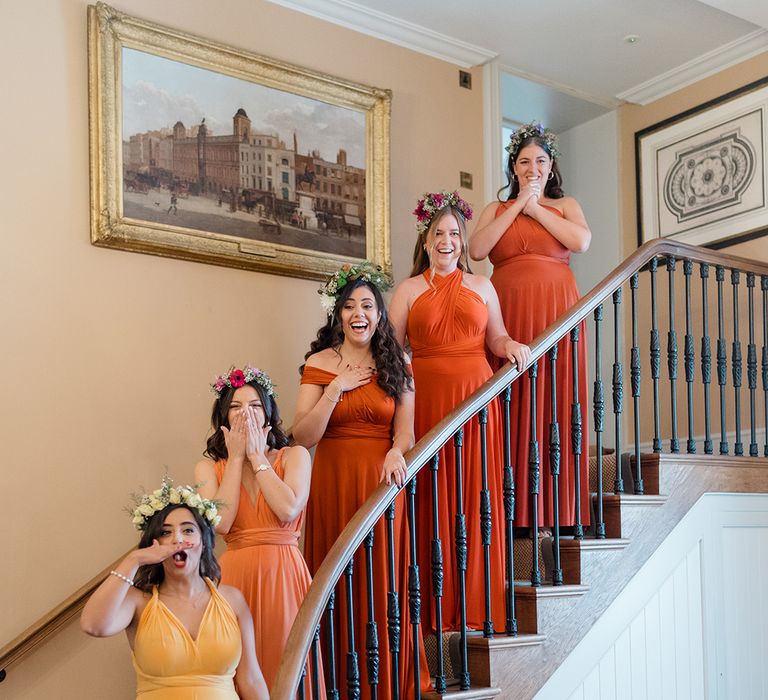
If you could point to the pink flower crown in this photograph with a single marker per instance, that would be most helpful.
(235, 378)
(433, 202)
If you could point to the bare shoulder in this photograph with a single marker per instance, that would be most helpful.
(296, 455)
(233, 596)
(327, 359)
(478, 284)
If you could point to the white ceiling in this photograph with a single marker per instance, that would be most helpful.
(573, 50)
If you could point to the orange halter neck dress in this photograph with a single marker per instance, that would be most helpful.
(446, 330)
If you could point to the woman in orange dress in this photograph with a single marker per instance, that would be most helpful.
(263, 485)
(356, 404)
(529, 239)
(449, 316)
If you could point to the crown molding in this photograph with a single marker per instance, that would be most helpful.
(697, 69)
(607, 102)
(392, 29)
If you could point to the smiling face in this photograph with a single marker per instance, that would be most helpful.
(533, 164)
(180, 526)
(359, 316)
(444, 244)
(246, 398)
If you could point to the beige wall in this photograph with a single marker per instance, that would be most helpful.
(106, 354)
(632, 118)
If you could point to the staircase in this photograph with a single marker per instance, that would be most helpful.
(638, 507)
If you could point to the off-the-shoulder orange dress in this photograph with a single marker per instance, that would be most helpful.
(347, 468)
(446, 330)
(263, 560)
(535, 286)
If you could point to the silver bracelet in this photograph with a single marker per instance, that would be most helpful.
(129, 581)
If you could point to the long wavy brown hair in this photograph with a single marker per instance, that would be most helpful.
(387, 352)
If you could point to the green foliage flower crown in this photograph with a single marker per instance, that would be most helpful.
(146, 505)
(235, 378)
(536, 130)
(347, 273)
(433, 202)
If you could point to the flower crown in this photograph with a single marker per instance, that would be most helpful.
(150, 503)
(537, 130)
(347, 273)
(235, 378)
(433, 202)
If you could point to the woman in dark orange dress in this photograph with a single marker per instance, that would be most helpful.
(263, 485)
(529, 239)
(449, 316)
(356, 404)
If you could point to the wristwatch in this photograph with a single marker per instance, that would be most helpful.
(263, 468)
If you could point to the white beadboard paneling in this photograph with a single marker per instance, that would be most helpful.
(692, 624)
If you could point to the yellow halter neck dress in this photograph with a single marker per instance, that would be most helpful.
(171, 665)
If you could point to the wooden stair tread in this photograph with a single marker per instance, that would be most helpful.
(594, 544)
(549, 591)
(503, 641)
(471, 694)
(633, 499)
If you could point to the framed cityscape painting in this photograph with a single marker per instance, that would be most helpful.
(205, 152)
(702, 176)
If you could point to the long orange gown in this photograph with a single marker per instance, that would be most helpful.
(263, 560)
(535, 286)
(446, 330)
(347, 468)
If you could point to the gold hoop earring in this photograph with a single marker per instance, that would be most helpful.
(551, 175)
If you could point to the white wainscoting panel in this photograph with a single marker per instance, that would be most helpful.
(692, 624)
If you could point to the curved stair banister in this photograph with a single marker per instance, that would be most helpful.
(289, 679)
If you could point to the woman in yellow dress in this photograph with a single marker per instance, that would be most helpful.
(191, 638)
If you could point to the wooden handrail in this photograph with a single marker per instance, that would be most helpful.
(39, 632)
(308, 617)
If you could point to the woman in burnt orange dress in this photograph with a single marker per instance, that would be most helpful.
(356, 404)
(529, 239)
(449, 316)
(263, 486)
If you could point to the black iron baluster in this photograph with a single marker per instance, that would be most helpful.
(353, 673)
(393, 604)
(371, 631)
(598, 408)
(578, 529)
(509, 516)
(533, 478)
(618, 388)
(437, 577)
(722, 357)
(634, 375)
(485, 519)
(706, 359)
(674, 443)
(315, 656)
(764, 290)
(301, 692)
(554, 466)
(736, 359)
(414, 585)
(461, 560)
(752, 366)
(653, 266)
(689, 355)
(332, 690)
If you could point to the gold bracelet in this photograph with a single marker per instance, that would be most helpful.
(325, 393)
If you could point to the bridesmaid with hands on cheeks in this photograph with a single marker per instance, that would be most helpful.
(263, 485)
(190, 636)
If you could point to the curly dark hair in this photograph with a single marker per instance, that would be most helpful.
(553, 187)
(153, 574)
(216, 446)
(420, 255)
(388, 355)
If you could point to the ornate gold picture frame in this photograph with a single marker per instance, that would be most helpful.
(205, 152)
